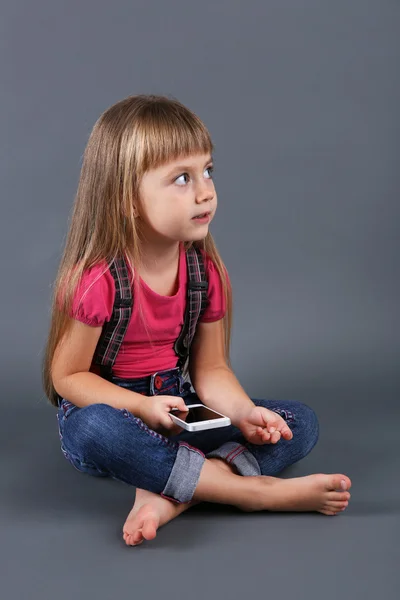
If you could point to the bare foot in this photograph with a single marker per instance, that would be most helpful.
(150, 511)
(319, 492)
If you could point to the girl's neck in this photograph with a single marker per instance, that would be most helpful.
(160, 259)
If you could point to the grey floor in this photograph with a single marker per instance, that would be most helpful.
(61, 530)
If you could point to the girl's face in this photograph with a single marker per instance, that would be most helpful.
(173, 194)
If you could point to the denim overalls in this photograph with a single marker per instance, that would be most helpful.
(101, 440)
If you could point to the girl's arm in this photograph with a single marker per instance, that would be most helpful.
(214, 382)
(72, 379)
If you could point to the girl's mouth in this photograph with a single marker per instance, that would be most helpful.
(203, 218)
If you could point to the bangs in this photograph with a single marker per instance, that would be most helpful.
(168, 131)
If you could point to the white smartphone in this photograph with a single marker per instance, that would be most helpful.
(198, 417)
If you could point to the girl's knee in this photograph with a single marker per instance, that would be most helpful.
(303, 422)
(93, 427)
(301, 419)
(309, 425)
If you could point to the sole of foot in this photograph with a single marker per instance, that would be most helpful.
(149, 512)
(324, 493)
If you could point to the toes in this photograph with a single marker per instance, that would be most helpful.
(135, 542)
(337, 480)
(137, 538)
(146, 529)
(133, 539)
(338, 496)
(328, 512)
(149, 529)
(336, 505)
(347, 481)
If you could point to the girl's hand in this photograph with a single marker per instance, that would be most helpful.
(263, 426)
(155, 413)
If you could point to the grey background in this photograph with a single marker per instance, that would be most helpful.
(302, 102)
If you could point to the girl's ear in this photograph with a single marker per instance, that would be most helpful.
(135, 212)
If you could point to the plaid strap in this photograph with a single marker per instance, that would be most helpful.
(195, 305)
(114, 331)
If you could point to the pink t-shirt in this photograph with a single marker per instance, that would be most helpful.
(93, 303)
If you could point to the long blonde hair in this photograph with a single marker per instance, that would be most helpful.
(134, 135)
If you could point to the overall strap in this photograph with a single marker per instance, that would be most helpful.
(196, 304)
(114, 330)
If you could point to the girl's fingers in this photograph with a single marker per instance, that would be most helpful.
(274, 434)
(263, 433)
(287, 432)
(283, 432)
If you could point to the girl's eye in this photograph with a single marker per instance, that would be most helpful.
(211, 169)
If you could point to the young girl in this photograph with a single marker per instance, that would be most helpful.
(141, 323)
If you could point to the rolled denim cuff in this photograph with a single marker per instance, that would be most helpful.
(185, 474)
(238, 455)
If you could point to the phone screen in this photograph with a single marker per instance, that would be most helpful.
(198, 413)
